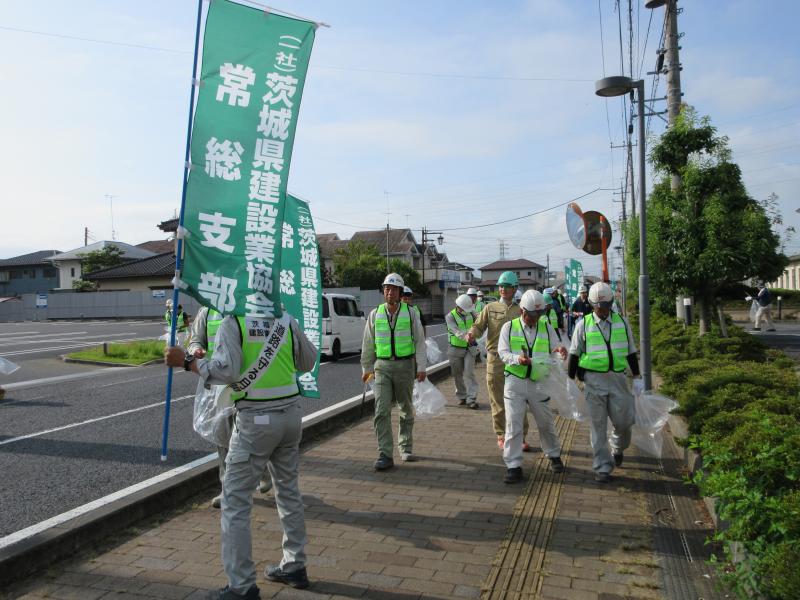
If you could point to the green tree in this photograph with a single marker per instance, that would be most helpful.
(108, 256)
(709, 233)
(359, 264)
(409, 274)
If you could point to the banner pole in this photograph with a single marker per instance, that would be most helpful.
(179, 233)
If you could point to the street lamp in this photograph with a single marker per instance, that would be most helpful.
(619, 86)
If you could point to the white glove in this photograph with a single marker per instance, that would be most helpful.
(638, 387)
(748, 298)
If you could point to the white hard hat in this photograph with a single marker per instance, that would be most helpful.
(532, 300)
(407, 291)
(600, 292)
(517, 296)
(480, 293)
(394, 279)
(549, 290)
(583, 289)
(168, 303)
(472, 292)
(464, 302)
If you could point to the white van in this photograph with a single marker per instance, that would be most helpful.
(342, 325)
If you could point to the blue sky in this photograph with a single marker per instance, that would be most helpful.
(451, 114)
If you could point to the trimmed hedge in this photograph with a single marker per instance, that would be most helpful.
(741, 400)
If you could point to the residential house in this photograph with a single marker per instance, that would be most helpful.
(531, 275)
(150, 273)
(69, 263)
(28, 274)
(328, 244)
(466, 275)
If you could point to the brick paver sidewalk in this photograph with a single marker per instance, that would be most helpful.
(443, 527)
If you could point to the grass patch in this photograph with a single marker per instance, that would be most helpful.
(133, 353)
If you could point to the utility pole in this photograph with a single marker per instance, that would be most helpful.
(85, 236)
(427, 238)
(111, 207)
(386, 195)
(547, 273)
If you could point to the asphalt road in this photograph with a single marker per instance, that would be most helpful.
(70, 434)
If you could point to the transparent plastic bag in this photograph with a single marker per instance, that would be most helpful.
(7, 367)
(564, 394)
(482, 345)
(212, 415)
(652, 413)
(428, 401)
(753, 310)
(181, 337)
(432, 352)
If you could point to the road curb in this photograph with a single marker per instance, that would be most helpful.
(43, 547)
(101, 363)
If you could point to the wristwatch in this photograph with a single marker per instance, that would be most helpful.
(188, 359)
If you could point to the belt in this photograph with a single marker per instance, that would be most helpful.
(397, 358)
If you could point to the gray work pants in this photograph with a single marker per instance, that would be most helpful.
(608, 397)
(394, 384)
(764, 318)
(462, 366)
(521, 396)
(263, 436)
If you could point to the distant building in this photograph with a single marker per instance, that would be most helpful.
(531, 275)
(69, 263)
(151, 273)
(790, 280)
(28, 274)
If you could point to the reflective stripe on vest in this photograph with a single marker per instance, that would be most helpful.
(599, 354)
(463, 326)
(279, 380)
(538, 351)
(212, 326)
(179, 325)
(396, 341)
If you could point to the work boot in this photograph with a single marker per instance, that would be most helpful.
(297, 579)
(618, 459)
(556, 465)
(264, 486)
(473, 405)
(602, 477)
(383, 463)
(216, 502)
(513, 475)
(408, 457)
(462, 402)
(227, 593)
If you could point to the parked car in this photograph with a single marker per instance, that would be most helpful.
(342, 325)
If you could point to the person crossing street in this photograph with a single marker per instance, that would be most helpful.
(491, 320)
(525, 346)
(602, 348)
(393, 350)
(461, 352)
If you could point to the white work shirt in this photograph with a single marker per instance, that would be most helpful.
(368, 357)
(504, 346)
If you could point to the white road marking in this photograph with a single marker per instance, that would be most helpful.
(59, 378)
(100, 502)
(76, 345)
(95, 420)
(65, 337)
(20, 333)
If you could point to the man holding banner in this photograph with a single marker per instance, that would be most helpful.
(238, 239)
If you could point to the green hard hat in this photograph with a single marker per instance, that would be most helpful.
(508, 278)
(548, 299)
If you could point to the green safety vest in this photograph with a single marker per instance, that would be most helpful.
(600, 354)
(278, 381)
(552, 316)
(179, 325)
(478, 306)
(397, 341)
(539, 351)
(464, 326)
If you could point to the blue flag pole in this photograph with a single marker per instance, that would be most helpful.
(179, 235)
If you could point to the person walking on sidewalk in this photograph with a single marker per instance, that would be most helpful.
(393, 350)
(580, 308)
(266, 434)
(551, 312)
(477, 301)
(602, 347)
(201, 345)
(461, 352)
(764, 313)
(408, 298)
(491, 320)
(525, 346)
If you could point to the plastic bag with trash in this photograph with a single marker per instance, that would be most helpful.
(565, 396)
(753, 310)
(181, 337)
(432, 352)
(482, 344)
(652, 413)
(209, 420)
(428, 401)
(7, 367)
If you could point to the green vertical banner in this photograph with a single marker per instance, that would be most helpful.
(251, 82)
(574, 279)
(301, 283)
